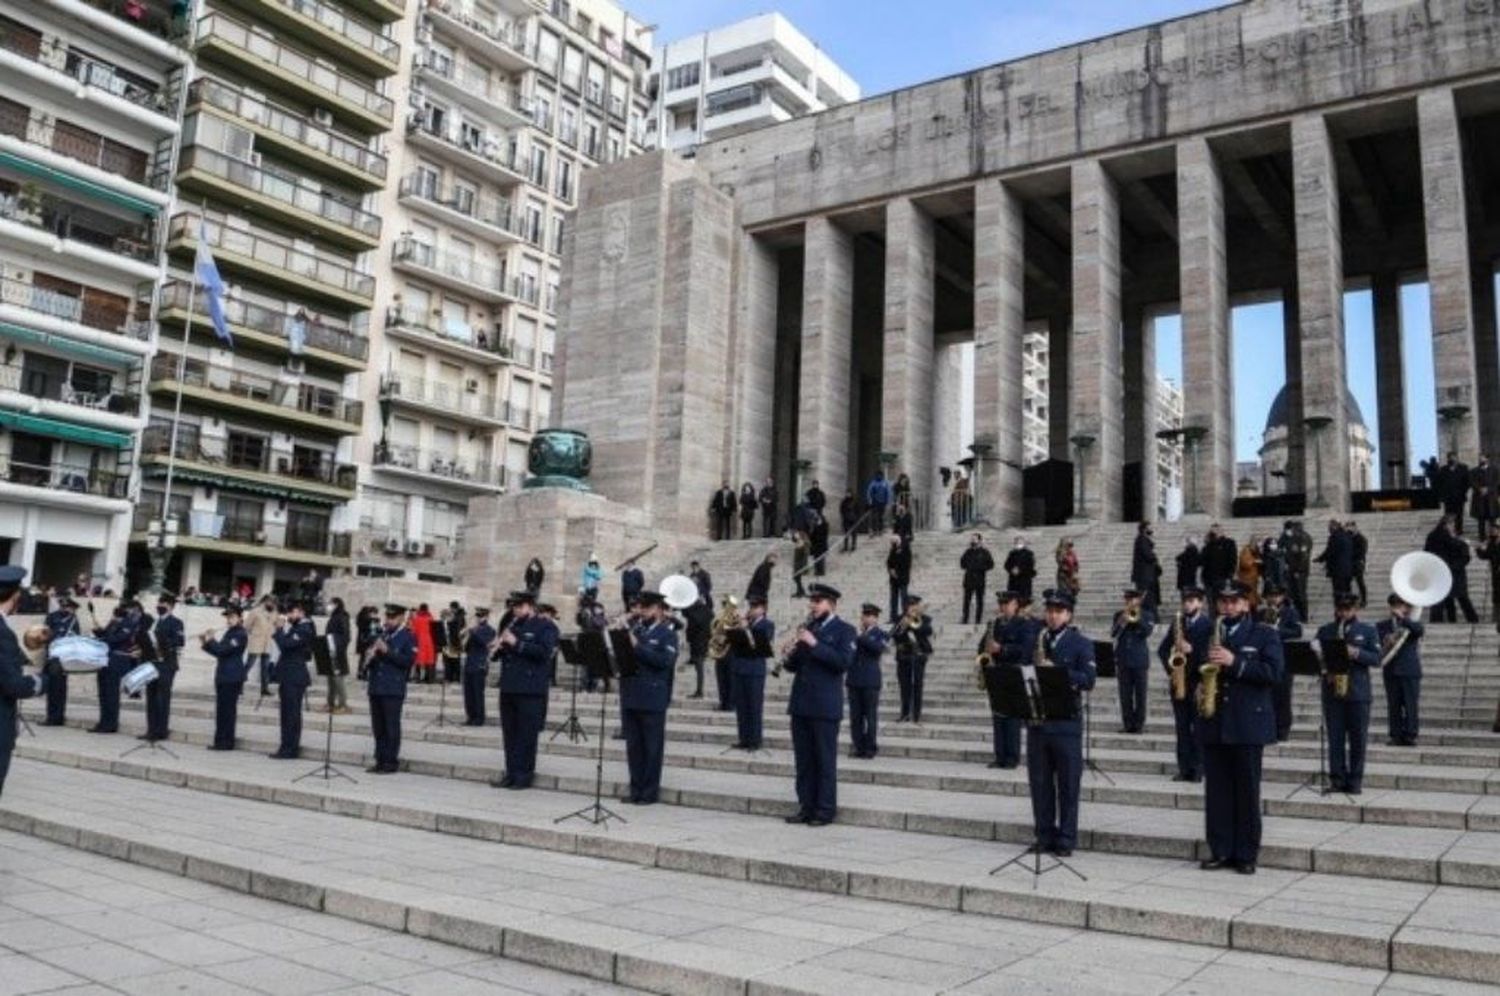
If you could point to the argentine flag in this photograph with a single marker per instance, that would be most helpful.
(207, 273)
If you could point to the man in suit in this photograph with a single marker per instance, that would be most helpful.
(898, 574)
(1337, 558)
(1131, 633)
(822, 655)
(1145, 568)
(1359, 552)
(61, 622)
(723, 506)
(1054, 748)
(294, 638)
(632, 582)
(391, 658)
(1191, 643)
(477, 666)
(1221, 558)
(1011, 640)
(122, 637)
(170, 638)
(15, 684)
(1020, 568)
(1445, 542)
(760, 579)
(526, 648)
(767, 502)
(747, 675)
(816, 498)
(976, 563)
(1283, 615)
(1484, 482)
(644, 698)
(1452, 485)
(1346, 703)
(1401, 669)
(230, 672)
(1297, 544)
(913, 648)
(863, 682)
(1234, 735)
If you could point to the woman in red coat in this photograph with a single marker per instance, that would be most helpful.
(421, 628)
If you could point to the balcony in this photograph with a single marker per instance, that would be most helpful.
(325, 341)
(459, 273)
(456, 339)
(58, 399)
(82, 315)
(258, 52)
(489, 95)
(384, 11)
(153, 17)
(295, 202)
(456, 401)
(501, 45)
(425, 465)
(67, 478)
(305, 406)
(78, 144)
(51, 62)
(208, 461)
(487, 156)
(48, 223)
(254, 539)
(482, 215)
(294, 136)
(330, 30)
(272, 260)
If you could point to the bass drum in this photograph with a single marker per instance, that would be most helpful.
(78, 654)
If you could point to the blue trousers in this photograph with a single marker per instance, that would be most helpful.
(1007, 733)
(645, 750)
(57, 696)
(290, 697)
(385, 724)
(910, 675)
(1231, 801)
(474, 695)
(265, 671)
(1189, 754)
(748, 693)
(1348, 726)
(724, 683)
(1133, 698)
(226, 711)
(815, 744)
(159, 704)
(108, 679)
(864, 720)
(1054, 766)
(521, 720)
(1283, 706)
(1401, 707)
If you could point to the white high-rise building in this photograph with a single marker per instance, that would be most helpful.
(751, 73)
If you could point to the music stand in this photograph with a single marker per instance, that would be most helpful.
(1104, 667)
(150, 745)
(743, 644)
(571, 726)
(441, 719)
(603, 660)
(1301, 659)
(326, 770)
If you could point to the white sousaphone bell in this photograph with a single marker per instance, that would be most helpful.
(679, 590)
(1421, 579)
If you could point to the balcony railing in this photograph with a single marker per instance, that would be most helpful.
(296, 193)
(441, 464)
(410, 318)
(490, 147)
(317, 539)
(53, 53)
(309, 399)
(67, 220)
(265, 250)
(491, 211)
(75, 142)
(71, 478)
(492, 88)
(13, 378)
(362, 35)
(524, 290)
(155, 17)
(512, 37)
(301, 130)
(320, 468)
(409, 250)
(94, 308)
(524, 355)
(449, 397)
(265, 47)
(274, 322)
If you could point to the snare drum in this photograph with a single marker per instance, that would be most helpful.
(138, 678)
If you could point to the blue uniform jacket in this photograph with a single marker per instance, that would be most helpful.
(1408, 660)
(61, 623)
(1198, 630)
(388, 670)
(1018, 639)
(229, 651)
(650, 688)
(915, 641)
(14, 683)
(477, 648)
(1289, 622)
(1364, 653)
(525, 669)
(869, 647)
(818, 685)
(754, 667)
(632, 581)
(1246, 713)
(170, 639)
(1132, 649)
(119, 636)
(295, 643)
(1070, 649)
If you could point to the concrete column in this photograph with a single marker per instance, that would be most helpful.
(906, 421)
(1320, 299)
(1296, 449)
(1486, 354)
(1444, 213)
(1139, 349)
(754, 383)
(827, 341)
(1095, 404)
(1059, 383)
(999, 328)
(947, 443)
(1390, 381)
(1208, 402)
(192, 569)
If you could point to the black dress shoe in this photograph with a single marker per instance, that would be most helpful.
(217, 747)
(96, 728)
(1245, 868)
(818, 822)
(144, 736)
(1180, 777)
(1215, 864)
(1352, 789)
(389, 769)
(279, 756)
(994, 764)
(1062, 852)
(798, 818)
(373, 769)
(502, 782)
(53, 722)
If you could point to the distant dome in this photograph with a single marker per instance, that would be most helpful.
(1278, 415)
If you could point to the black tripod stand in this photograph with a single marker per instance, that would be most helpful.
(571, 727)
(1302, 660)
(597, 812)
(1088, 762)
(1030, 860)
(326, 770)
(592, 650)
(441, 719)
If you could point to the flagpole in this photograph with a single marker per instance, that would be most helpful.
(187, 334)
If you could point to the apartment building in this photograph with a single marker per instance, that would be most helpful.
(88, 122)
(751, 73)
(503, 104)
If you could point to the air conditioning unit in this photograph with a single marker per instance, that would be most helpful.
(429, 549)
(472, 386)
(415, 548)
(323, 116)
(393, 544)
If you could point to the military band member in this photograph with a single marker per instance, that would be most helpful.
(230, 672)
(294, 638)
(61, 622)
(1192, 643)
(1248, 656)
(477, 666)
(747, 676)
(390, 661)
(526, 647)
(1346, 702)
(1401, 669)
(1012, 634)
(1132, 635)
(912, 636)
(863, 682)
(821, 655)
(644, 697)
(121, 636)
(1054, 748)
(1278, 611)
(15, 684)
(170, 638)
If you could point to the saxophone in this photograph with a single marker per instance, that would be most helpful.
(718, 633)
(1341, 678)
(1208, 676)
(1177, 662)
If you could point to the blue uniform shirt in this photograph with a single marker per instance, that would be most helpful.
(229, 651)
(1364, 653)
(477, 648)
(650, 688)
(1408, 660)
(1067, 648)
(1132, 650)
(1246, 714)
(388, 670)
(61, 623)
(295, 643)
(869, 647)
(1288, 622)
(525, 668)
(170, 639)
(818, 685)
(754, 667)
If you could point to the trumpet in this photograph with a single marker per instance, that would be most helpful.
(789, 646)
(1208, 677)
(1133, 615)
(1177, 662)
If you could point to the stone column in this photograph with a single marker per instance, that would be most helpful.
(1486, 353)
(1059, 383)
(906, 420)
(1296, 449)
(1095, 406)
(1320, 299)
(1445, 216)
(948, 445)
(1207, 352)
(999, 328)
(827, 339)
(1390, 381)
(754, 385)
(1139, 360)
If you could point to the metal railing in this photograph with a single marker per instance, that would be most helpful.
(95, 308)
(513, 37)
(362, 35)
(72, 478)
(263, 249)
(494, 89)
(409, 250)
(297, 193)
(449, 397)
(75, 142)
(13, 378)
(492, 211)
(321, 468)
(309, 399)
(489, 147)
(410, 318)
(440, 464)
(60, 217)
(273, 321)
(151, 16)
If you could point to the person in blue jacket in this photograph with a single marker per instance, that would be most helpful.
(1242, 721)
(170, 638)
(294, 638)
(526, 648)
(477, 666)
(822, 654)
(863, 682)
(644, 697)
(230, 672)
(390, 661)
(15, 684)
(1281, 613)
(1132, 635)
(61, 622)
(1346, 705)
(1054, 747)
(122, 635)
(1402, 672)
(1192, 642)
(747, 676)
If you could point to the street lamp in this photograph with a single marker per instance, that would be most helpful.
(1315, 424)
(1451, 416)
(981, 453)
(1082, 442)
(161, 543)
(1193, 434)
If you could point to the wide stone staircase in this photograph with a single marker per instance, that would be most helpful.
(1397, 890)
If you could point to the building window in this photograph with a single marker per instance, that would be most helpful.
(565, 179)
(243, 519)
(683, 76)
(557, 236)
(539, 167)
(246, 451)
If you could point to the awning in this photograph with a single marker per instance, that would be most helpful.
(72, 432)
(227, 483)
(86, 187)
(67, 344)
